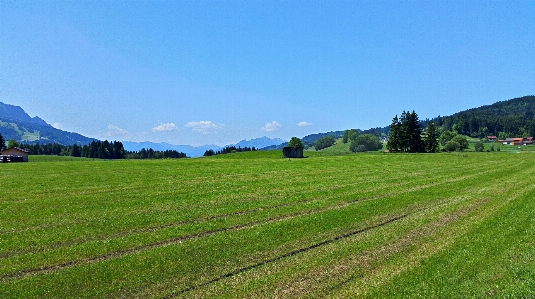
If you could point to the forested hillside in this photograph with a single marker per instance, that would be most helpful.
(512, 118)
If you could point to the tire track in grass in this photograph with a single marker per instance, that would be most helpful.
(78, 221)
(166, 242)
(207, 218)
(471, 215)
(404, 242)
(286, 255)
(238, 213)
(176, 240)
(117, 254)
(416, 236)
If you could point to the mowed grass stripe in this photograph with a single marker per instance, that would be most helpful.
(111, 252)
(174, 240)
(408, 196)
(471, 255)
(286, 255)
(331, 198)
(327, 279)
(261, 207)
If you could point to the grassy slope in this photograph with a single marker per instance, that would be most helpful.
(253, 224)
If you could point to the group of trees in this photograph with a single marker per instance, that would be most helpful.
(310, 140)
(228, 150)
(453, 142)
(295, 142)
(365, 143)
(5, 145)
(406, 135)
(361, 142)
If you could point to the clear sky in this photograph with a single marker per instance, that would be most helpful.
(217, 72)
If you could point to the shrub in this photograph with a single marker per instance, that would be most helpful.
(366, 142)
(324, 142)
(479, 147)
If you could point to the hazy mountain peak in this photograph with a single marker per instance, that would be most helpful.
(8, 111)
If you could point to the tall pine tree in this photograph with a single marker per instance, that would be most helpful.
(414, 133)
(431, 138)
(394, 138)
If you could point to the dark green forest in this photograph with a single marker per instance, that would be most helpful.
(99, 150)
(512, 118)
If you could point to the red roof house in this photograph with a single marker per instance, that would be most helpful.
(15, 152)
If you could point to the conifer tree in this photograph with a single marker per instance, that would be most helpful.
(394, 138)
(2, 143)
(414, 133)
(431, 138)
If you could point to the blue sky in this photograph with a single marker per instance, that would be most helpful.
(217, 72)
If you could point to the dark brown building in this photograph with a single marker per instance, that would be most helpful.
(293, 152)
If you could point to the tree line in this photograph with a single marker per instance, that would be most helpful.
(152, 154)
(229, 150)
(511, 118)
(96, 149)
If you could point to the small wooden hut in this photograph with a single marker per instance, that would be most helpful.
(293, 152)
(14, 154)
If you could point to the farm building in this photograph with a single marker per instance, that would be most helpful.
(293, 152)
(518, 141)
(14, 154)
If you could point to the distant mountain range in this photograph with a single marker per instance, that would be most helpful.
(16, 124)
(504, 119)
(197, 151)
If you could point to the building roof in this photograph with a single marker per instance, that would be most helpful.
(17, 149)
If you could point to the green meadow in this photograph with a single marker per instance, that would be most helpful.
(458, 225)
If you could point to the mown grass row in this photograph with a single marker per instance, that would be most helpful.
(257, 225)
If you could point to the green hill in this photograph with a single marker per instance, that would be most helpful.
(15, 124)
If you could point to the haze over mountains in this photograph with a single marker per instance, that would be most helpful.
(510, 118)
(196, 151)
(16, 124)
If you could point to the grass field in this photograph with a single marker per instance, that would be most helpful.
(255, 225)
